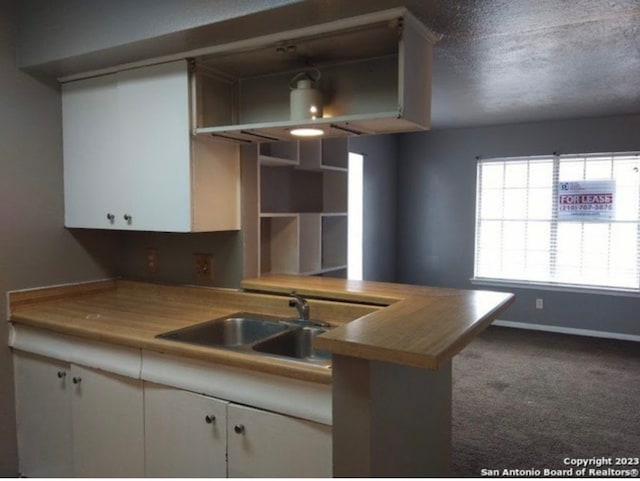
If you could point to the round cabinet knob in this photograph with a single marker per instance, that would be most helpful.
(210, 419)
(128, 218)
(111, 217)
(77, 380)
(62, 374)
(239, 428)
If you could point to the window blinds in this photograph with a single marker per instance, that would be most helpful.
(520, 237)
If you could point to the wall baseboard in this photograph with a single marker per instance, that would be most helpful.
(567, 330)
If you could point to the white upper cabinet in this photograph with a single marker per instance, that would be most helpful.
(130, 162)
(90, 149)
(373, 75)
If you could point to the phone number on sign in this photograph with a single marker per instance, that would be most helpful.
(582, 207)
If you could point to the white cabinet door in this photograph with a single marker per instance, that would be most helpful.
(43, 413)
(108, 425)
(154, 146)
(185, 434)
(264, 444)
(90, 148)
(129, 160)
(127, 150)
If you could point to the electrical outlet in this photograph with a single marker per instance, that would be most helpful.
(539, 304)
(203, 267)
(151, 261)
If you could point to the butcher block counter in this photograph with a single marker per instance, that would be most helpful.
(405, 324)
(386, 395)
(132, 314)
(420, 326)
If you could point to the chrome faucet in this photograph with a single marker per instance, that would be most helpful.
(301, 304)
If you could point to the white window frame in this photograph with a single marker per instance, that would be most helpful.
(549, 284)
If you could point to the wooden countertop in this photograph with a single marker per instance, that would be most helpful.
(422, 327)
(410, 325)
(132, 314)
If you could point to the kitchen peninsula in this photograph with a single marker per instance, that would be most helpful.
(387, 395)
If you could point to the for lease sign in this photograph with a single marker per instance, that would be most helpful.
(586, 200)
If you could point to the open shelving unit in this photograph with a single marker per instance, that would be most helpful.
(302, 208)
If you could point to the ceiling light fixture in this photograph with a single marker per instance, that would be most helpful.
(307, 132)
(305, 99)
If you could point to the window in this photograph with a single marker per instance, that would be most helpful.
(534, 224)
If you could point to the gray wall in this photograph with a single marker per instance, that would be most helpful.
(175, 257)
(380, 195)
(436, 212)
(54, 30)
(70, 36)
(35, 249)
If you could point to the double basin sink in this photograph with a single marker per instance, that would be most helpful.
(257, 334)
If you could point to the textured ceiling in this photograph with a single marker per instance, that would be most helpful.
(507, 61)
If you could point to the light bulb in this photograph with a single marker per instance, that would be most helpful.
(307, 132)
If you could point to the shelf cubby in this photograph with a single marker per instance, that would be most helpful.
(279, 243)
(334, 241)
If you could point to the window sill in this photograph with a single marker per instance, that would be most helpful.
(555, 287)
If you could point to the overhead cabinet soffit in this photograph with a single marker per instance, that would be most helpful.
(372, 75)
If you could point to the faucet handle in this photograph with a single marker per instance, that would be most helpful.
(300, 303)
(295, 299)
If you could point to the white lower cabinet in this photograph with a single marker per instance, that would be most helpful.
(108, 426)
(43, 414)
(75, 421)
(263, 444)
(185, 434)
(191, 435)
(84, 422)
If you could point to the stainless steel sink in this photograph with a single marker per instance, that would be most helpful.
(297, 343)
(256, 334)
(236, 330)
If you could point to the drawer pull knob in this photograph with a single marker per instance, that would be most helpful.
(128, 218)
(210, 419)
(62, 374)
(77, 380)
(111, 217)
(239, 428)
